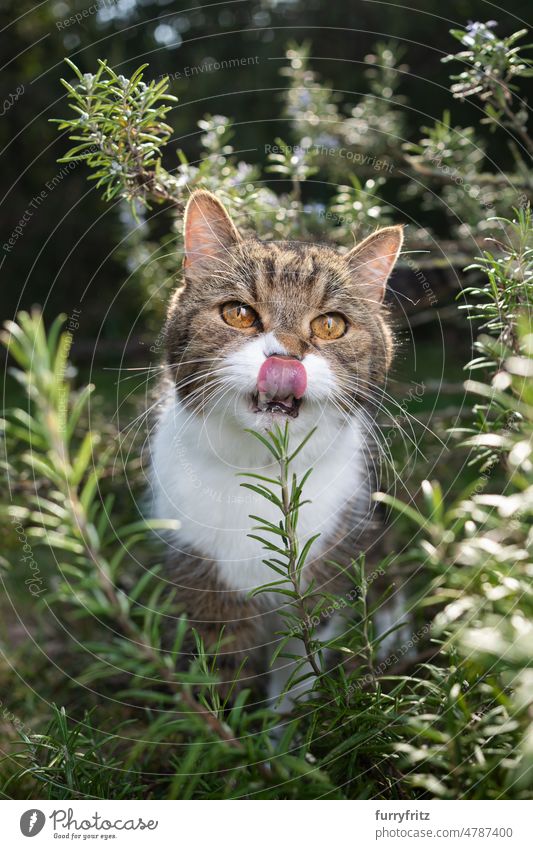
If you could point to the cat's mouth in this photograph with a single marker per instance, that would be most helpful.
(289, 406)
(281, 384)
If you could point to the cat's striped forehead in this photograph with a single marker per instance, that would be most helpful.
(291, 274)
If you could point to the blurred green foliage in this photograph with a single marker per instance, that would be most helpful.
(449, 711)
(67, 254)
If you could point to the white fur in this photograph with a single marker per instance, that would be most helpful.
(196, 459)
(393, 614)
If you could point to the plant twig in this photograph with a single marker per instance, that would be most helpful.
(290, 520)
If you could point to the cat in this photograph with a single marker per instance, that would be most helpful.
(265, 332)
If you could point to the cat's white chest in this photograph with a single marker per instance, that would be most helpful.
(195, 479)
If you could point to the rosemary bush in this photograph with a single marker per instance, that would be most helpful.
(447, 712)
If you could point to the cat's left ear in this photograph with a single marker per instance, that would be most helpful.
(209, 232)
(372, 261)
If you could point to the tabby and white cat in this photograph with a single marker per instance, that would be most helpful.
(265, 332)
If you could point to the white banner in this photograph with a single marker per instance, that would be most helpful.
(250, 825)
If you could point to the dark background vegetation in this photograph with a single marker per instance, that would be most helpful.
(72, 241)
(452, 719)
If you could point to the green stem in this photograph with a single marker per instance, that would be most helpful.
(289, 513)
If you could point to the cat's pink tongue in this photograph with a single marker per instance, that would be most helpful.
(281, 377)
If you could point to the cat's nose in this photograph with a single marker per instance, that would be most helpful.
(280, 377)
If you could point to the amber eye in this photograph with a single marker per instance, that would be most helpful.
(331, 325)
(238, 315)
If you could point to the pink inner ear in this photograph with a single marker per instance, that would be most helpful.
(374, 259)
(376, 271)
(196, 243)
(209, 231)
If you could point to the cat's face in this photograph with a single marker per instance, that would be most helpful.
(266, 332)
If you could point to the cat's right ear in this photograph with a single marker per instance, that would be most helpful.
(209, 232)
(373, 260)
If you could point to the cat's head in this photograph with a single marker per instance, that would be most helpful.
(277, 331)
